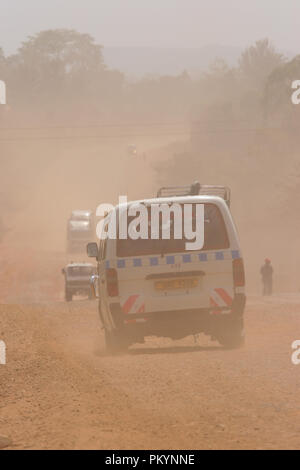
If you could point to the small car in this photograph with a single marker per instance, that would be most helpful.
(78, 280)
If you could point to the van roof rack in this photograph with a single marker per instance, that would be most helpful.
(196, 189)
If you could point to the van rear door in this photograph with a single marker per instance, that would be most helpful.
(161, 275)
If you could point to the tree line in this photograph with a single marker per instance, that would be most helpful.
(59, 76)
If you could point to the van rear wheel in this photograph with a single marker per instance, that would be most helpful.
(232, 341)
(232, 337)
(114, 342)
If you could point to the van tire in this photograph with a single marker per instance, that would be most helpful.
(233, 336)
(114, 342)
(232, 341)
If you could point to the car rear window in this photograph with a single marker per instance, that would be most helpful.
(215, 238)
(80, 270)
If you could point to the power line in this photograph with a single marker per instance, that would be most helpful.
(91, 137)
(161, 134)
(114, 125)
(98, 126)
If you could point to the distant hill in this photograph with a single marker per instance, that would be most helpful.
(136, 62)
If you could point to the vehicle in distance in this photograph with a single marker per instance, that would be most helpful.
(132, 150)
(155, 287)
(78, 279)
(80, 230)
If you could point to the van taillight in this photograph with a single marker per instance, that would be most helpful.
(238, 272)
(112, 282)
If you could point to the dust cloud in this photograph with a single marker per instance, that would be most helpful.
(64, 145)
(45, 178)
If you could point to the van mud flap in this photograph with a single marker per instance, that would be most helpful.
(117, 315)
(238, 305)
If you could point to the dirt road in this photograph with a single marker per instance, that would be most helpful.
(60, 390)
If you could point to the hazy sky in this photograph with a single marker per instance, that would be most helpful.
(179, 23)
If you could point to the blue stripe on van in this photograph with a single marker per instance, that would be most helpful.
(202, 257)
(170, 259)
(107, 264)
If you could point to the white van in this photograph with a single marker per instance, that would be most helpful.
(156, 288)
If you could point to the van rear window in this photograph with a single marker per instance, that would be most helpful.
(215, 238)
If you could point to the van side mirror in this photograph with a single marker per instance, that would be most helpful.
(92, 250)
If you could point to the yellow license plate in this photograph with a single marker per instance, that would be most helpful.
(176, 284)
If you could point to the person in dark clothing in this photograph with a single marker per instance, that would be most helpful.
(195, 188)
(267, 277)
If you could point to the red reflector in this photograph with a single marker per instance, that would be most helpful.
(238, 272)
(112, 282)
